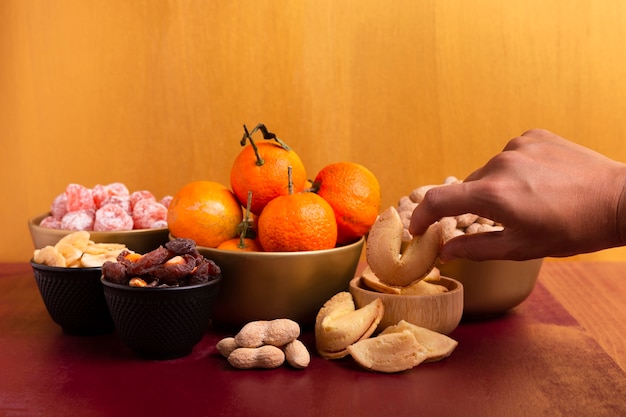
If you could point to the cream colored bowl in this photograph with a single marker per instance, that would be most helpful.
(141, 240)
(269, 285)
(491, 288)
(438, 312)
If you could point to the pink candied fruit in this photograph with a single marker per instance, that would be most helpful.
(146, 212)
(103, 193)
(120, 200)
(58, 208)
(118, 188)
(111, 217)
(50, 222)
(78, 220)
(159, 224)
(100, 194)
(137, 196)
(166, 200)
(79, 197)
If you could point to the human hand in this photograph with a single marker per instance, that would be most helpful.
(553, 197)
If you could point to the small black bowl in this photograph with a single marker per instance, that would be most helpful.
(74, 298)
(161, 323)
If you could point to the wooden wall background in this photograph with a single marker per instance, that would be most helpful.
(154, 93)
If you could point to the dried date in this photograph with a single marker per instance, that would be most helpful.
(182, 247)
(115, 272)
(177, 264)
(148, 262)
(175, 269)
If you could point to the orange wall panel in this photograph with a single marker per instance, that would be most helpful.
(154, 93)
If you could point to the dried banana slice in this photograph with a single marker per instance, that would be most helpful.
(392, 352)
(90, 260)
(384, 255)
(49, 256)
(104, 248)
(339, 324)
(70, 252)
(78, 239)
(96, 254)
(437, 345)
(77, 250)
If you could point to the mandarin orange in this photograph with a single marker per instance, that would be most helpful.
(354, 193)
(241, 244)
(262, 168)
(206, 212)
(297, 222)
(246, 242)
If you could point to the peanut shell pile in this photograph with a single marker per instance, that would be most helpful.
(265, 344)
(467, 223)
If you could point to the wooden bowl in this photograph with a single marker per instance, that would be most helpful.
(438, 312)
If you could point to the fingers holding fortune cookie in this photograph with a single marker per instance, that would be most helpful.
(389, 262)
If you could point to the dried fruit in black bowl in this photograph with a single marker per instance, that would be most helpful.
(166, 314)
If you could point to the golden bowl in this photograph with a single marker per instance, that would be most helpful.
(140, 240)
(491, 288)
(438, 312)
(270, 285)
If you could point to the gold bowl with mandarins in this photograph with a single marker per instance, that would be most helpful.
(270, 285)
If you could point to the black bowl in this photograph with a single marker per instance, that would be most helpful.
(74, 298)
(161, 323)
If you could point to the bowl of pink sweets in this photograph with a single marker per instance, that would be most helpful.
(110, 213)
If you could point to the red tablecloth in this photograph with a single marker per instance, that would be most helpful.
(537, 360)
